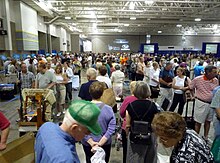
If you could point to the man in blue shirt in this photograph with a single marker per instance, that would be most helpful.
(166, 79)
(199, 69)
(56, 143)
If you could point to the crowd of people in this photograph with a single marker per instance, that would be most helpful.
(92, 121)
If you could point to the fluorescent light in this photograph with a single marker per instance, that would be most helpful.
(131, 6)
(133, 18)
(94, 25)
(150, 2)
(119, 30)
(197, 19)
(126, 25)
(67, 17)
(215, 26)
(179, 25)
(159, 31)
(139, 11)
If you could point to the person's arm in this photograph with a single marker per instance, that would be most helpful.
(91, 142)
(50, 85)
(4, 126)
(123, 107)
(139, 69)
(36, 82)
(128, 122)
(4, 137)
(110, 130)
(165, 83)
(217, 110)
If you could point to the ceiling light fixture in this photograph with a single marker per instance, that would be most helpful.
(131, 6)
(126, 25)
(179, 25)
(139, 11)
(67, 17)
(132, 18)
(215, 26)
(198, 19)
(159, 31)
(119, 30)
(149, 2)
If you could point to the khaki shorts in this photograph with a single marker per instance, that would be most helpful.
(203, 112)
(60, 96)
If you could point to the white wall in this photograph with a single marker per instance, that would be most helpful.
(1, 9)
(12, 13)
(63, 39)
(29, 19)
(40, 24)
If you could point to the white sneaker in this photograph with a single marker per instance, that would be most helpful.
(58, 114)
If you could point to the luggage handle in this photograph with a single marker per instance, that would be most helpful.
(187, 104)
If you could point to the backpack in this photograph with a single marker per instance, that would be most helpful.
(140, 132)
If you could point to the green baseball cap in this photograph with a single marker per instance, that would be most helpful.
(86, 113)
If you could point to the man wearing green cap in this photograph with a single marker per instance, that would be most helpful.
(56, 143)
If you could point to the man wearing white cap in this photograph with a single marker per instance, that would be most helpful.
(56, 143)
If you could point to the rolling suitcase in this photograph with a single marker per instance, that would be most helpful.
(190, 122)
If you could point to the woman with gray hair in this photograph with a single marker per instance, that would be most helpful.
(139, 115)
(117, 79)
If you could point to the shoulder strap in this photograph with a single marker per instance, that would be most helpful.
(144, 114)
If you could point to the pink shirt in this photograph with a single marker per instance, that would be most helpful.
(123, 107)
(204, 87)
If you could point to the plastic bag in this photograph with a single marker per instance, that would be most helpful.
(162, 158)
(99, 156)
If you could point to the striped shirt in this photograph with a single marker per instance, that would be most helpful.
(27, 79)
(203, 87)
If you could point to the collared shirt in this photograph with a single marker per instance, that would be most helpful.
(53, 145)
(27, 79)
(84, 91)
(191, 149)
(204, 87)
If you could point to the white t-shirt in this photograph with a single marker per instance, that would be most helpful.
(179, 83)
(105, 79)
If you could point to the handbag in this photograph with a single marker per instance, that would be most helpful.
(155, 89)
(140, 130)
(187, 95)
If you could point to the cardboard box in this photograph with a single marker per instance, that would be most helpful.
(20, 150)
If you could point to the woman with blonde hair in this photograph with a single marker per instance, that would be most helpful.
(60, 89)
(179, 86)
(188, 146)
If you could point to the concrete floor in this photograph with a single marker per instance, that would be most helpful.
(9, 108)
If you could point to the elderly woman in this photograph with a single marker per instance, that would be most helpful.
(117, 79)
(103, 76)
(141, 140)
(188, 146)
(123, 107)
(106, 120)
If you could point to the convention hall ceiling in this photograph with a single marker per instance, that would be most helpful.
(182, 17)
